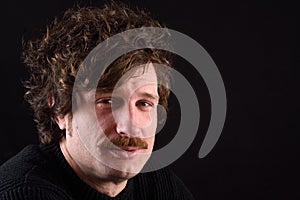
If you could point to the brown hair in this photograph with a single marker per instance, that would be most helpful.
(54, 59)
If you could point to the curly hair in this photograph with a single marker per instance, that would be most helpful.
(53, 59)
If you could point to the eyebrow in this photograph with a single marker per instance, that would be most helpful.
(142, 94)
(149, 95)
(104, 90)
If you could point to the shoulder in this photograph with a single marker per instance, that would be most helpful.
(20, 164)
(24, 176)
(166, 184)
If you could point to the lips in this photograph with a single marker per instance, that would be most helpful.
(126, 147)
(130, 148)
(125, 152)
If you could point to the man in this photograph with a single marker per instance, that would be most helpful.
(96, 127)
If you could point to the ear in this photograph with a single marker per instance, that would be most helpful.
(61, 122)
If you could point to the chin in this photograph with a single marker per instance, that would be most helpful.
(120, 175)
(124, 162)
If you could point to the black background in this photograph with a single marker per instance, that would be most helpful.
(256, 48)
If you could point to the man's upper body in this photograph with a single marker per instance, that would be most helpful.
(97, 123)
(42, 173)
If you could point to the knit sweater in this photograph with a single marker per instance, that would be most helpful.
(40, 172)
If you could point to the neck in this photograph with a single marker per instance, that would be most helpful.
(110, 188)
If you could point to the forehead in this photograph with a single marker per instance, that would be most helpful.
(141, 74)
(138, 77)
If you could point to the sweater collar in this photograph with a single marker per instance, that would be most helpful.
(77, 188)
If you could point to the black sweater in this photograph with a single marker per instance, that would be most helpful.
(40, 172)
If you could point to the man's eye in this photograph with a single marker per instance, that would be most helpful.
(109, 102)
(144, 105)
(104, 101)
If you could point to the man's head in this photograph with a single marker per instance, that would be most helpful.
(53, 59)
(126, 98)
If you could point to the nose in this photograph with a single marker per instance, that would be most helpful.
(124, 118)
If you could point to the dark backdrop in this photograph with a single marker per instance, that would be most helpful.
(255, 46)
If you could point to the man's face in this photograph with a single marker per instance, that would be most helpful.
(113, 135)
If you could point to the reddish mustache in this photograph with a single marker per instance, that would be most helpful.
(128, 142)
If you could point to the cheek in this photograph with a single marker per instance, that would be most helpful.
(150, 141)
(142, 120)
(106, 121)
(146, 120)
(148, 132)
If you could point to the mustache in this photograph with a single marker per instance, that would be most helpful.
(125, 141)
